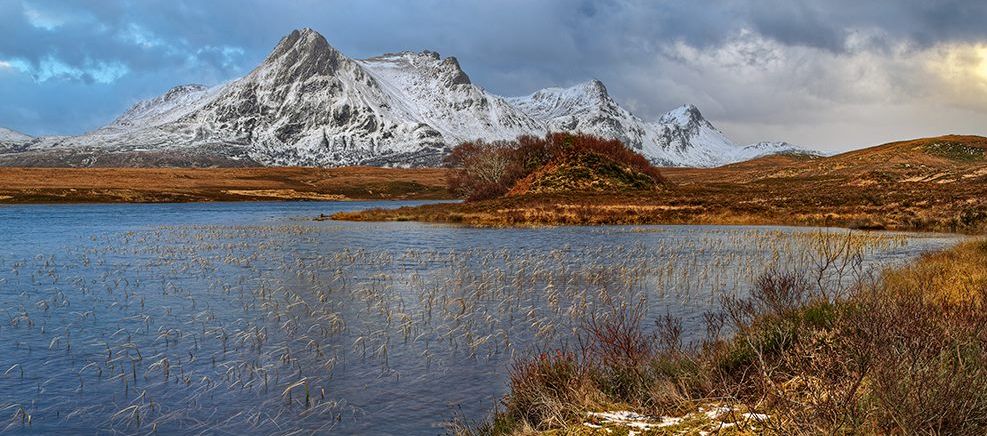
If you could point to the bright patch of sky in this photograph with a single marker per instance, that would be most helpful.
(138, 35)
(51, 68)
(43, 19)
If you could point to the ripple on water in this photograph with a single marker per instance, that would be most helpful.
(250, 317)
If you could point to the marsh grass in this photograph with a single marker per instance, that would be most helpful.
(901, 353)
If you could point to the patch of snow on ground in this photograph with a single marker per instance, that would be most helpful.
(717, 417)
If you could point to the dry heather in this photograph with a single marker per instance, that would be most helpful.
(903, 354)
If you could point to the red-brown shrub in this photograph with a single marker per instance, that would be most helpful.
(487, 170)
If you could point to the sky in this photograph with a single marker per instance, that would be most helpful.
(828, 74)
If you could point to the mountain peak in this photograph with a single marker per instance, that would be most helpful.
(767, 148)
(301, 54)
(449, 69)
(595, 89)
(770, 144)
(302, 38)
(456, 74)
(682, 116)
(182, 90)
(303, 42)
(424, 63)
(549, 103)
(305, 34)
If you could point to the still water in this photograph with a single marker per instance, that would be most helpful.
(252, 317)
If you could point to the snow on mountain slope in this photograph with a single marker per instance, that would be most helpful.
(684, 138)
(587, 108)
(8, 136)
(170, 107)
(13, 141)
(437, 92)
(765, 148)
(308, 104)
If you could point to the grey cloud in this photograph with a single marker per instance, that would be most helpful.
(510, 46)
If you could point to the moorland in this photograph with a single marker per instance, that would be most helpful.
(928, 184)
(159, 185)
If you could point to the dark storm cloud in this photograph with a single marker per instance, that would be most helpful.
(70, 66)
(825, 24)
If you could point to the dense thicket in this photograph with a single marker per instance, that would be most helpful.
(485, 170)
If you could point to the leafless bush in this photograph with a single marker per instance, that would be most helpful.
(774, 294)
(619, 351)
(548, 390)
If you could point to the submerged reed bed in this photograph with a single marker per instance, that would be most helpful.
(280, 328)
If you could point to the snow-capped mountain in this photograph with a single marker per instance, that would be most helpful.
(12, 141)
(308, 104)
(680, 137)
(775, 147)
(587, 108)
(8, 136)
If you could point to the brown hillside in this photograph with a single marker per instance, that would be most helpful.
(941, 159)
(555, 163)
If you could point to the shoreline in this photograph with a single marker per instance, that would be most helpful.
(604, 210)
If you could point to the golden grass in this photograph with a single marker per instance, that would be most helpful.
(953, 276)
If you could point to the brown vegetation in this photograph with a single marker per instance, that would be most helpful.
(929, 184)
(559, 162)
(904, 354)
(148, 185)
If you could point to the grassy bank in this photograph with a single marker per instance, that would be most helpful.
(817, 205)
(902, 353)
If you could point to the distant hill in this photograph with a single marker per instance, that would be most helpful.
(12, 141)
(940, 160)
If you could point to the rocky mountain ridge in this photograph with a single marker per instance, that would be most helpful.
(308, 104)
